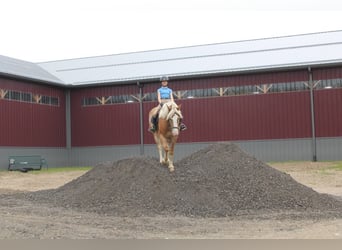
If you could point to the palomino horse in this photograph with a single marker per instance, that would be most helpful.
(167, 132)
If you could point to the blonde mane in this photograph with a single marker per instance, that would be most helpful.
(168, 110)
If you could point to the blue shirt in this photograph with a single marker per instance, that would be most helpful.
(165, 92)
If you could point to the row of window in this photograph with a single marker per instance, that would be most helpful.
(217, 92)
(20, 96)
(194, 93)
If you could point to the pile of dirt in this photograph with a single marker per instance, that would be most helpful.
(217, 181)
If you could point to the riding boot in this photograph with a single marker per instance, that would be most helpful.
(153, 126)
(182, 127)
(152, 129)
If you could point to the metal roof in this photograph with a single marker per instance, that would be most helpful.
(27, 70)
(232, 57)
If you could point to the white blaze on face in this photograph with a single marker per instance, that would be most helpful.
(174, 121)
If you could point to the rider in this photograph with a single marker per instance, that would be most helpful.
(164, 94)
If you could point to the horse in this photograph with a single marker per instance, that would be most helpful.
(167, 132)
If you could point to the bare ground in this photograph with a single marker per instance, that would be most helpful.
(26, 219)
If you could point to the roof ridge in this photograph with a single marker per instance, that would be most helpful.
(191, 46)
(199, 56)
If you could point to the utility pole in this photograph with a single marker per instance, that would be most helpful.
(312, 85)
(141, 118)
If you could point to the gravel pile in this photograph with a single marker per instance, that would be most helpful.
(217, 181)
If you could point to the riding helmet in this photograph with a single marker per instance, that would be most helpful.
(164, 78)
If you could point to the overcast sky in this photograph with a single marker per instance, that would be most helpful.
(46, 30)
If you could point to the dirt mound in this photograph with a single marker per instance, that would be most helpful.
(220, 180)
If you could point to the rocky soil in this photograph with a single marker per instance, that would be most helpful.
(217, 192)
(220, 180)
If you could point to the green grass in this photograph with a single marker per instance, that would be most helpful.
(283, 162)
(55, 170)
(337, 166)
(61, 169)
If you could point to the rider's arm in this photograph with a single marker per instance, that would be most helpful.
(171, 96)
(159, 98)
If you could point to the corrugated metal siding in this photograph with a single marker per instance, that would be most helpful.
(328, 112)
(251, 117)
(26, 86)
(32, 125)
(267, 116)
(328, 104)
(106, 91)
(116, 124)
(236, 111)
(237, 80)
(327, 73)
(329, 149)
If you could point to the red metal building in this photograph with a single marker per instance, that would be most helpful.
(278, 101)
(32, 115)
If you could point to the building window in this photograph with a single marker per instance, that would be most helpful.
(14, 95)
(216, 92)
(26, 97)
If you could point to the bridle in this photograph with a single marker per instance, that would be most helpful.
(171, 114)
(178, 123)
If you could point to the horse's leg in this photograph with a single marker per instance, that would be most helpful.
(159, 147)
(164, 145)
(171, 156)
(171, 166)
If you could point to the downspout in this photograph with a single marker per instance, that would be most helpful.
(68, 126)
(140, 86)
(312, 107)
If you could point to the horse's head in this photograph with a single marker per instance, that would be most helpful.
(174, 117)
(171, 112)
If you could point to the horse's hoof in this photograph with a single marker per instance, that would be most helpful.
(171, 169)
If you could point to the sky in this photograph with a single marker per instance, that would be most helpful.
(42, 30)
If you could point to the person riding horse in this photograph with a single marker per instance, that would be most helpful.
(164, 94)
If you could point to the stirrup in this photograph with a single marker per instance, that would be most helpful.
(182, 127)
(152, 129)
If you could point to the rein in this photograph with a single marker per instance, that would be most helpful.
(173, 127)
(175, 112)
